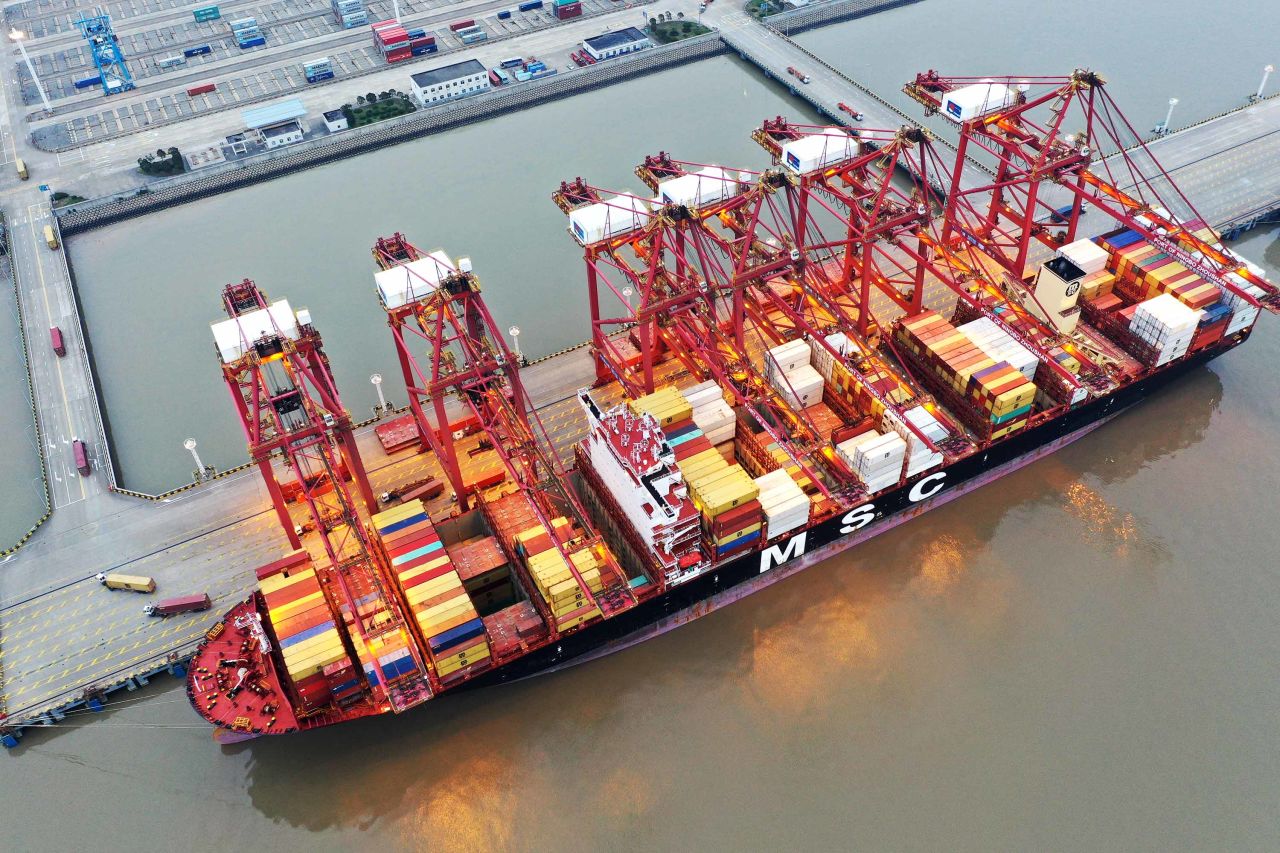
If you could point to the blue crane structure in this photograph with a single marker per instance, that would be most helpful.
(113, 72)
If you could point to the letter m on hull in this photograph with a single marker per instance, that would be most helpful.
(776, 555)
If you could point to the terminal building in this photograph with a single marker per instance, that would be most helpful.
(608, 45)
(276, 125)
(452, 81)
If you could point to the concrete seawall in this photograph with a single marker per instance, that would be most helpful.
(161, 194)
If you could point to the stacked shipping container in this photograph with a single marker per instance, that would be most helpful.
(310, 644)
(432, 589)
(569, 603)
(350, 13)
(994, 398)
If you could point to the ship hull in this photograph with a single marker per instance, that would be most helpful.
(777, 560)
(791, 554)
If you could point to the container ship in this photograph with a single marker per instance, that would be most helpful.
(782, 363)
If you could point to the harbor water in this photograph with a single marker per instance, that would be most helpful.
(1081, 656)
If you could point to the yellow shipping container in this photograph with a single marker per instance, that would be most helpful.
(431, 623)
(312, 645)
(412, 573)
(749, 529)
(316, 661)
(275, 583)
(449, 604)
(443, 668)
(426, 591)
(577, 620)
(396, 513)
(298, 605)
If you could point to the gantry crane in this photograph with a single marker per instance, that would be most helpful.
(432, 304)
(279, 378)
(104, 48)
(1062, 147)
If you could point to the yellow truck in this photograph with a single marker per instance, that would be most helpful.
(50, 237)
(21, 166)
(134, 583)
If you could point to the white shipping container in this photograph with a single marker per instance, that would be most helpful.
(801, 388)
(819, 150)
(1085, 254)
(607, 218)
(979, 99)
(785, 358)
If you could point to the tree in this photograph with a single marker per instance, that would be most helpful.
(360, 100)
(680, 15)
(160, 153)
(371, 98)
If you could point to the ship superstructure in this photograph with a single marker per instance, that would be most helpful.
(787, 361)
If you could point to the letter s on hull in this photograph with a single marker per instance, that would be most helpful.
(857, 518)
(927, 487)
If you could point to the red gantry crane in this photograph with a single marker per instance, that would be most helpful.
(274, 366)
(434, 305)
(1061, 148)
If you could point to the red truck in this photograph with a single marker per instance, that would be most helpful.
(180, 604)
(55, 337)
(81, 454)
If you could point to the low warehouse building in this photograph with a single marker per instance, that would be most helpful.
(451, 81)
(276, 125)
(608, 45)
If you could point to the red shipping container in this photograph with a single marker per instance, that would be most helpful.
(292, 592)
(201, 89)
(429, 575)
(398, 55)
(462, 25)
(297, 558)
(406, 546)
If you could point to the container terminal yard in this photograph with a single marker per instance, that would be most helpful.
(62, 643)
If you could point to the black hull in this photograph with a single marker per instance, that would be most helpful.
(619, 631)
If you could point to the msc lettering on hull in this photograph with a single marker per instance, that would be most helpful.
(853, 520)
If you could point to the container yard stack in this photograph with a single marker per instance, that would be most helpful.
(350, 13)
(432, 589)
(206, 13)
(566, 9)
(391, 40)
(246, 33)
(1167, 325)
(316, 70)
(919, 456)
(471, 34)
(311, 646)
(420, 43)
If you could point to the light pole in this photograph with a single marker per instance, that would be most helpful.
(514, 332)
(626, 294)
(382, 407)
(18, 35)
(1266, 72)
(1163, 127)
(395, 6)
(190, 445)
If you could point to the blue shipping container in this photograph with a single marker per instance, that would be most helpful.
(316, 78)
(256, 41)
(535, 67)
(530, 6)
(88, 82)
(416, 34)
(504, 14)
(198, 51)
(424, 50)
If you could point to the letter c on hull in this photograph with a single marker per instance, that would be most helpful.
(927, 487)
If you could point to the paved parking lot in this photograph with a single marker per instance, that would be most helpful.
(296, 31)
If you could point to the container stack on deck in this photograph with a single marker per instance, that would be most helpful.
(727, 500)
(314, 658)
(432, 589)
(788, 369)
(569, 603)
(992, 397)
(875, 457)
